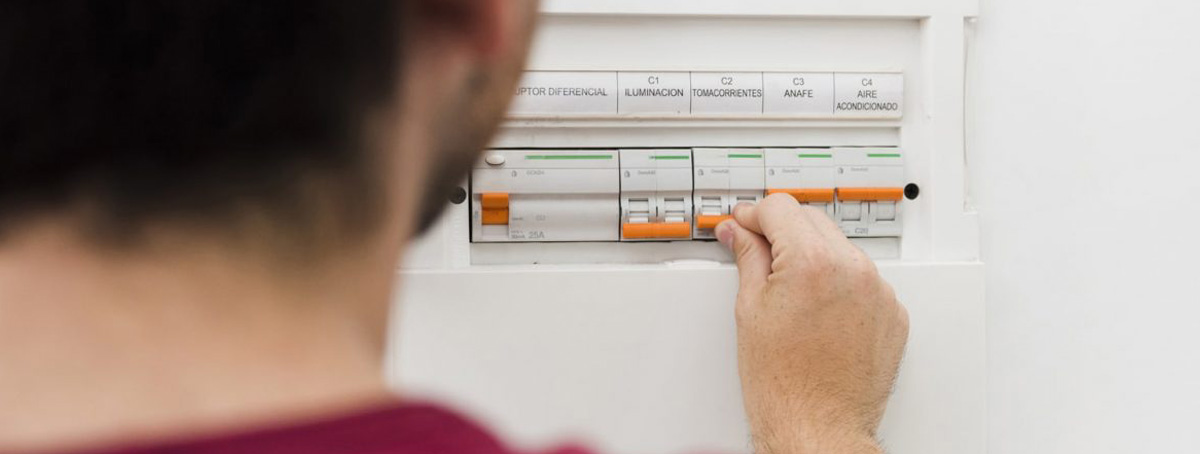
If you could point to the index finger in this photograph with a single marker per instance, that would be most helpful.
(779, 217)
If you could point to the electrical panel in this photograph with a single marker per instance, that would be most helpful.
(575, 290)
(676, 194)
(628, 194)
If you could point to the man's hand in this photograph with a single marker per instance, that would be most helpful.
(820, 334)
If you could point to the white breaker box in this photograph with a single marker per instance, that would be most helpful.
(573, 291)
(677, 194)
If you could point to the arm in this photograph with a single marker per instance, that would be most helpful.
(820, 334)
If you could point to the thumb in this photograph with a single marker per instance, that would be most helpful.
(752, 252)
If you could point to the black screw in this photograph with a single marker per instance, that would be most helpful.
(458, 196)
(912, 191)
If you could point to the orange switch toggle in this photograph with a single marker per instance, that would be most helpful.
(806, 195)
(495, 217)
(665, 230)
(711, 222)
(494, 208)
(870, 194)
(494, 200)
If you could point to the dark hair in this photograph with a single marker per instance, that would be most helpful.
(192, 110)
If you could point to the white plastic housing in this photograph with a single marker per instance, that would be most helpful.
(553, 196)
(656, 188)
(802, 169)
(870, 168)
(725, 177)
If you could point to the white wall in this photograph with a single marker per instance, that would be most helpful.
(1084, 151)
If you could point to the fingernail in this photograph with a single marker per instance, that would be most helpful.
(724, 234)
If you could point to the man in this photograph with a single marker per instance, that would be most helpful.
(202, 205)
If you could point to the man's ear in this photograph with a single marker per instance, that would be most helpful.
(488, 28)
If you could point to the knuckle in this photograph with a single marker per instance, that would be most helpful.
(744, 310)
(777, 198)
(863, 270)
(776, 202)
(741, 313)
(822, 261)
(814, 265)
(824, 221)
(744, 248)
(811, 212)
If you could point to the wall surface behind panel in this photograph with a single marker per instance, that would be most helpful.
(1084, 143)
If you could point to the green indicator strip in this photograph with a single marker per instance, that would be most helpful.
(570, 157)
(883, 155)
(816, 155)
(745, 156)
(673, 158)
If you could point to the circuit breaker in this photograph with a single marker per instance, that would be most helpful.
(807, 174)
(656, 195)
(724, 178)
(545, 196)
(870, 187)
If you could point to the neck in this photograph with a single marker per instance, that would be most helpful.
(176, 340)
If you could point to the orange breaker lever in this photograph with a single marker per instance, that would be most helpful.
(660, 230)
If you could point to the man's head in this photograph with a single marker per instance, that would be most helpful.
(202, 202)
(300, 126)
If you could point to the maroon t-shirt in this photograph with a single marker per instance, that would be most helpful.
(395, 429)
